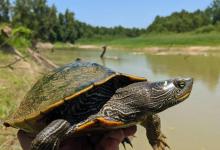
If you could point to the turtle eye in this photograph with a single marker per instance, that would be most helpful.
(181, 84)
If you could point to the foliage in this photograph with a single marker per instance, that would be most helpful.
(47, 24)
(22, 31)
(200, 21)
(21, 37)
(4, 10)
(214, 11)
(205, 29)
(157, 40)
(180, 22)
(35, 15)
(87, 31)
(67, 24)
(22, 13)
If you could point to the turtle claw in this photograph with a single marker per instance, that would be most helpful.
(161, 143)
(128, 141)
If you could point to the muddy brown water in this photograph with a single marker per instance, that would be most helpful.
(191, 125)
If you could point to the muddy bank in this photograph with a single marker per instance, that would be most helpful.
(173, 50)
(190, 50)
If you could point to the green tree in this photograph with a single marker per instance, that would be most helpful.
(214, 9)
(180, 22)
(23, 13)
(4, 10)
(53, 24)
(70, 31)
(47, 25)
(41, 17)
(61, 28)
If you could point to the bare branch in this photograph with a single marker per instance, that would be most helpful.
(10, 65)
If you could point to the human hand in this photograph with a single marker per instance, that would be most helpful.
(109, 141)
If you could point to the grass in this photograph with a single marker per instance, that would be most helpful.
(13, 86)
(158, 40)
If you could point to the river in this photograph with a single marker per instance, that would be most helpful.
(191, 125)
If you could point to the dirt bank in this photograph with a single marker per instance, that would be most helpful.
(190, 50)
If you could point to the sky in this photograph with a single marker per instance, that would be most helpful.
(127, 13)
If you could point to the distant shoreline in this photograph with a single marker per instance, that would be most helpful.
(175, 50)
(161, 44)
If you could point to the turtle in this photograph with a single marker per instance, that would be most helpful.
(84, 98)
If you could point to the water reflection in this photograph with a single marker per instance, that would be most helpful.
(206, 69)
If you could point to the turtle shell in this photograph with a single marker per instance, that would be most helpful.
(60, 85)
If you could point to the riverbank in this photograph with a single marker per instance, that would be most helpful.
(15, 81)
(188, 50)
(188, 43)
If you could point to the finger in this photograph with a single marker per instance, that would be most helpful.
(77, 143)
(70, 143)
(117, 135)
(111, 140)
(130, 131)
(24, 139)
(108, 144)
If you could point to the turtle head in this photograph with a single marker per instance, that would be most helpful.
(167, 93)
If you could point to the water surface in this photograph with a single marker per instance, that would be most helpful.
(191, 125)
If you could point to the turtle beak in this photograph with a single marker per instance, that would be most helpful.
(185, 86)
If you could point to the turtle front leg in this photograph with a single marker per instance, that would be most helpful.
(49, 138)
(153, 131)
